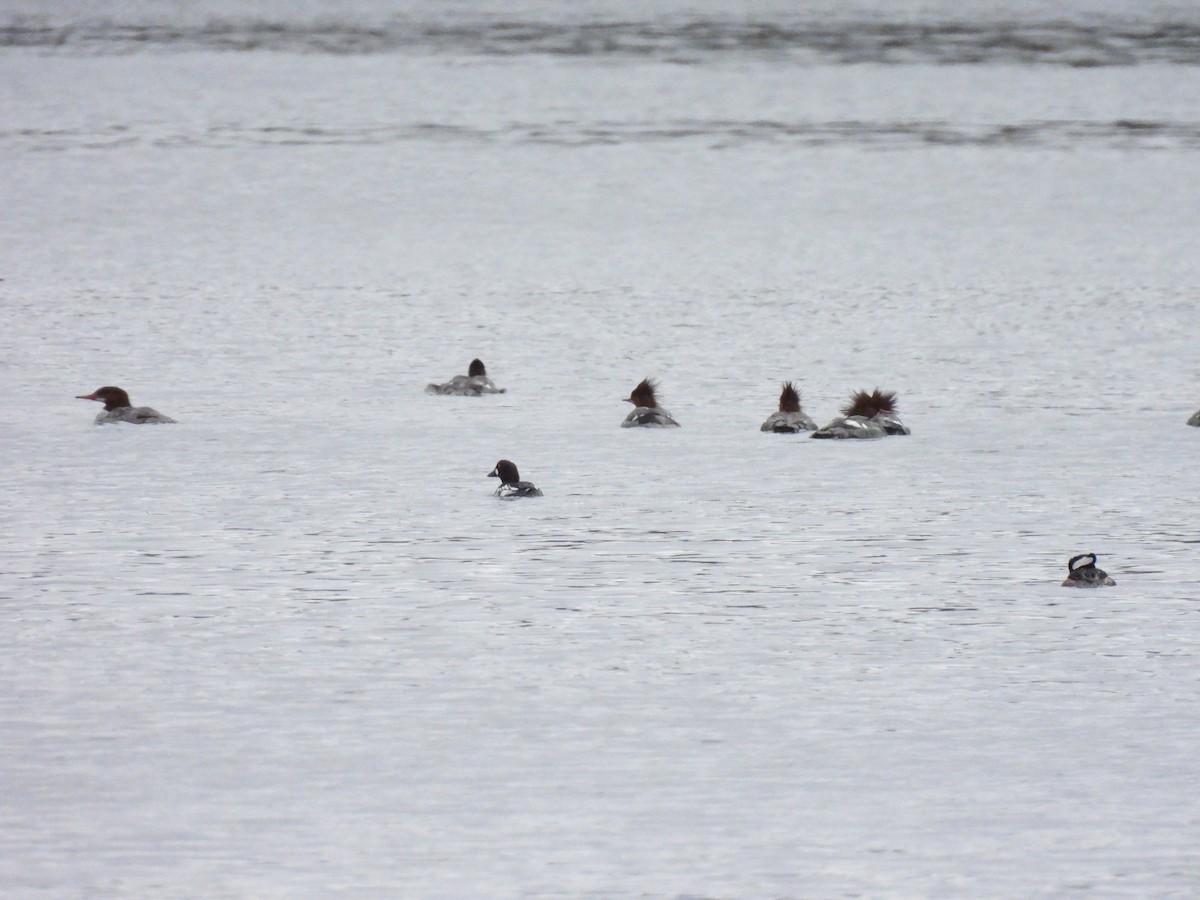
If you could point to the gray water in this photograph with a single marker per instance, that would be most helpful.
(292, 646)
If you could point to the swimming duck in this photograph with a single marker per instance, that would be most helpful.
(117, 408)
(474, 383)
(1195, 419)
(511, 485)
(867, 415)
(646, 410)
(1085, 574)
(790, 418)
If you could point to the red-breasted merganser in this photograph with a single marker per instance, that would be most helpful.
(790, 418)
(474, 383)
(646, 409)
(867, 415)
(117, 408)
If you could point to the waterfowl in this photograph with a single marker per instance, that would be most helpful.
(646, 410)
(511, 485)
(790, 418)
(867, 415)
(1085, 574)
(473, 384)
(117, 408)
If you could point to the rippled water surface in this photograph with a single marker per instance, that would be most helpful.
(293, 646)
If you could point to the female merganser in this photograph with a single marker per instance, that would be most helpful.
(1085, 574)
(790, 417)
(117, 408)
(1195, 420)
(511, 485)
(474, 383)
(646, 410)
(867, 415)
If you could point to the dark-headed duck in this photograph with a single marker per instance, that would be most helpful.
(474, 383)
(790, 418)
(117, 408)
(1085, 574)
(1195, 419)
(867, 415)
(646, 410)
(511, 485)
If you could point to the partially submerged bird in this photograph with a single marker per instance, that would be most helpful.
(790, 418)
(117, 408)
(646, 410)
(867, 415)
(474, 383)
(511, 485)
(1085, 574)
(1195, 419)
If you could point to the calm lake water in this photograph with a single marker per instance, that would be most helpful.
(293, 646)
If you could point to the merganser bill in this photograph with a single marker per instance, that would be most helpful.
(646, 411)
(790, 418)
(1085, 574)
(117, 408)
(867, 415)
(511, 485)
(473, 384)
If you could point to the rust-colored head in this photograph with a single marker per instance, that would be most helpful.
(111, 397)
(870, 404)
(643, 394)
(789, 398)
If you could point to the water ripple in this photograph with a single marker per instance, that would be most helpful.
(717, 133)
(824, 43)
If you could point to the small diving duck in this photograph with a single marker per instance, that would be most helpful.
(646, 410)
(790, 418)
(1085, 574)
(867, 415)
(117, 408)
(511, 485)
(1195, 419)
(474, 383)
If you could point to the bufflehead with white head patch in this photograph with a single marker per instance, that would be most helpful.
(1085, 574)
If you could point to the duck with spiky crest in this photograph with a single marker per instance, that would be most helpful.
(117, 408)
(868, 415)
(1082, 572)
(473, 384)
(511, 485)
(790, 418)
(646, 411)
